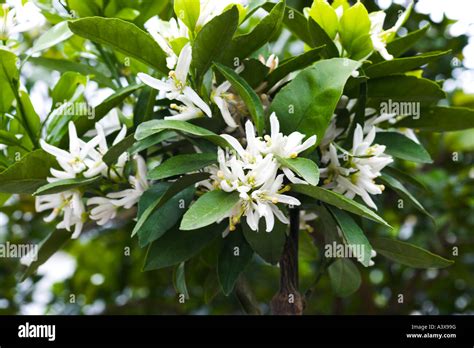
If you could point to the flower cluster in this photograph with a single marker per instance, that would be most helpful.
(85, 160)
(359, 168)
(19, 18)
(253, 172)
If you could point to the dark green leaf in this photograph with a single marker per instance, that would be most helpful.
(248, 95)
(118, 149)
(345, 277)
(123, 36)
(441, 119)
(213, 39)
(320, 38)
(402, 147)
(178, 246)
(409, 254)
(268, 245)
(338, 201)
(28, 174)
(209, 208)
(235, 255)
(179, 280)
(65, 185)
(182, 164)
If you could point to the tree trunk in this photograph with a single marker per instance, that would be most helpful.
(288, 301)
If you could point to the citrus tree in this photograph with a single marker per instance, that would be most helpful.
(213, 141)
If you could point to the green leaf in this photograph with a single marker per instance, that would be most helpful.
(405, 177)
(234, 257)
(30, 119)
(402, 147)
(7, 138)
(65, 88)
(59, 33)
(441, 119)
(65, 185)
(403, 192)
(164, 217)
(354, 31)
(188, 12)
(293, 64)
(248, 95)
(304, 167)
(65, 66)
(409, 254)
(118, 149)
(243, 46)
(176, 187)
(28, 174)
(353, 234)
(209, 208)
(268, 245)
(345, 277)
(179, 281)
(320, 38)
(402, 65)
(308, 102)
(146, 143)
(182, 164)
(156, 126)
(295, 21)
(48, 247)
(123, 36)
(338, 201)
(213, 40)
(325, 16)
(405, 89)
(178, 246)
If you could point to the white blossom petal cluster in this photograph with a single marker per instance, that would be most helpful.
(85, 160)
(253, 172)
(354, 172)
(19, 18)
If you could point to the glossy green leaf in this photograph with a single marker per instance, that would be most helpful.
(409, 254)
(325, 16)
(176, 187)
(118, 149)
(353, 234)
(66, 86)
(211, 207)
(308, 102)
(213, 39)
(188, 12)
(166, 216)
(28, 174)
(65, 185)
(153, 127)
(400, 146)
(354, 31)
(182, 164)
(441, 119)
(123, 36)
(248, 95)
(234, 257)
(402, 65)
(345, 277)
(268, 245)
(303, 167)
(320, 38)
(338, 201)
(403, 192)
(179, 280)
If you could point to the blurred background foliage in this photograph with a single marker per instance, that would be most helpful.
(101, 273)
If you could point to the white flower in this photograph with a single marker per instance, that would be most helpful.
(67, 204)
(176, 85)
(95, 163)
(363, 165)
(74, 161)
(128, 198)
(258, 186)
(379, 36)
(19, 19)
(187, 111)
(392, 119)
(104, 211)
